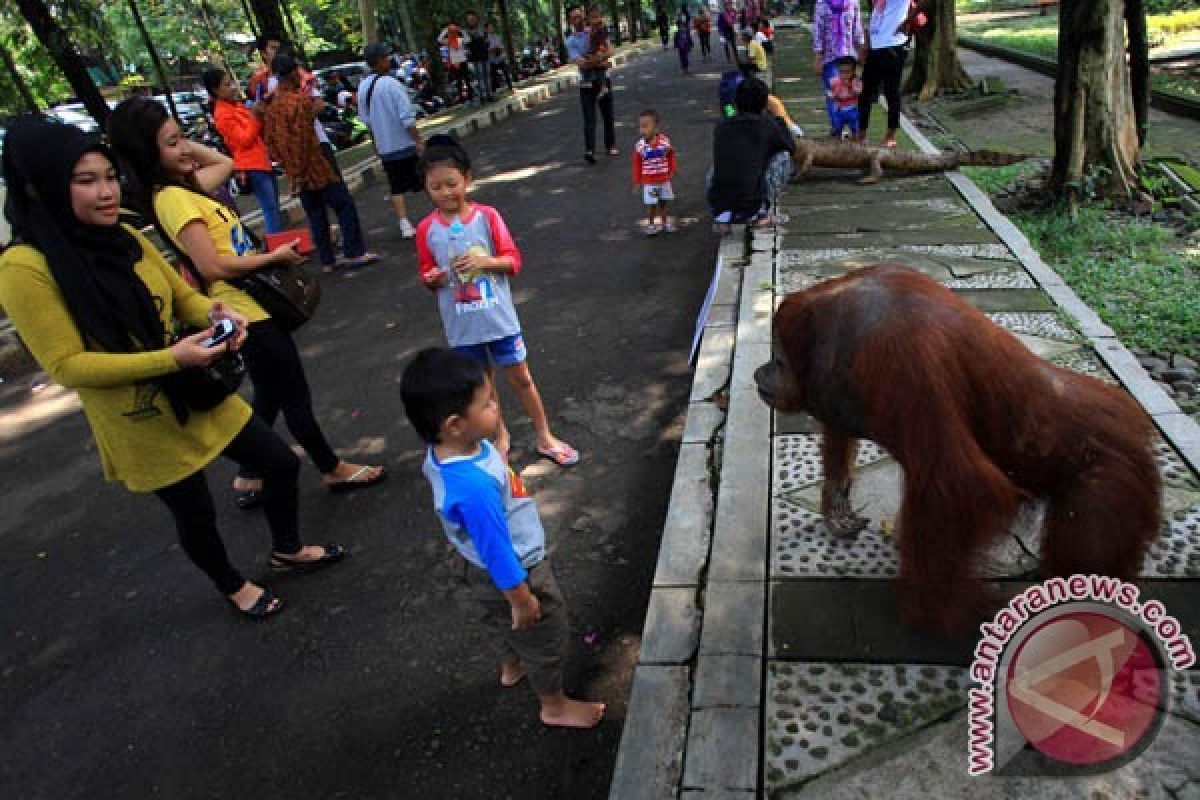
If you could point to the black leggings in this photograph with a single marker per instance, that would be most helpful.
(884, 67)
(191, 504)
(279, 385)
(705, 44)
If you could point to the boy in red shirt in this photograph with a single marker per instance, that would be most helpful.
(653, 168)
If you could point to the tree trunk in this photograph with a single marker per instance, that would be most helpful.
(270, 16)
(559, 28)
(296, 47)
(58, 44)
(22, 88)
(370, 24)
(1139, 65)
(506, 33)
(614, 11)
(631, 9)
(1094, 122)
(254, 27)
(410, 33)
(935, 60)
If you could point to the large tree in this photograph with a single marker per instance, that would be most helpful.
(370, 24)
(13, 75)
(1095, 124)
(935, 60)
(52, 36)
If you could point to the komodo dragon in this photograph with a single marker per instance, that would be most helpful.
(848, 155)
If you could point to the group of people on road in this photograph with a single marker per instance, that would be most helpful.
(476, 55)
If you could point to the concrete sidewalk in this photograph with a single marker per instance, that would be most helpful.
(773, 663)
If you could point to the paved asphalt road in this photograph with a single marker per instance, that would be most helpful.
(123, 675)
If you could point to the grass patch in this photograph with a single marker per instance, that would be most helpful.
(1038, 36)
(1132, 273)
(993, 179)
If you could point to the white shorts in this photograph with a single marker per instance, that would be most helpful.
(653, 192)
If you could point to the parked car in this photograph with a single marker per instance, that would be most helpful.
(189, 105)
(74, 114)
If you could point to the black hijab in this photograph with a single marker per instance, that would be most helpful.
(93, 265)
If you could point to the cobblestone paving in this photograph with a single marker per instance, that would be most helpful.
(826, 721)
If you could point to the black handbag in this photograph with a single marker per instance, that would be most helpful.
(289, 294)
(205, 388)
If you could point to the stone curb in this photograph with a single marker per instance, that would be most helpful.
(678, 643)
(1180, 430)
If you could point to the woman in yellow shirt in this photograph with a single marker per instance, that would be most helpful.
(98, 308)
(172, 179)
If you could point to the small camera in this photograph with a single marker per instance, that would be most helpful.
(223, 331)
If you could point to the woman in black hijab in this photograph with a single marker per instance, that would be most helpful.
(101, 310)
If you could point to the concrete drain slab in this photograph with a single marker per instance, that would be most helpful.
(820, 716)
(802, 547)
(980, 276)
(936, 198)
(951, 235)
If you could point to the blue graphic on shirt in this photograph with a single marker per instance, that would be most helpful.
(240, 240)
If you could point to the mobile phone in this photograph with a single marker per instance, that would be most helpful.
(223, 331)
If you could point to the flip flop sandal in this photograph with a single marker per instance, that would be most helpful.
(564, 456)
(353, 483)
(265, 606)
(248, 499)
(333, 554)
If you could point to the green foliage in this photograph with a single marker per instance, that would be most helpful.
(993, 179)
(1132, 273)
(1038, 35)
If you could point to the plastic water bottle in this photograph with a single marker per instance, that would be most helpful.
(456, 248)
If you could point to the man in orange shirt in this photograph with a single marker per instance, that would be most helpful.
(288, 124)
(241, 128)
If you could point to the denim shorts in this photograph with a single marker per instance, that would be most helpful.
(505, 352)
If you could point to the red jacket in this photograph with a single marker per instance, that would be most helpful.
(653, 161)
(242, 133)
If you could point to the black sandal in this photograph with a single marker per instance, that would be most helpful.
(283, 563)
(265, 606)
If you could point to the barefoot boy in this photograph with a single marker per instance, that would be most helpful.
(492, 522)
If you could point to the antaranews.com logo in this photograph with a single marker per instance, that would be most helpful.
(1073, 679)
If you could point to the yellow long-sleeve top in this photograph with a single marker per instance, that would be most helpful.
(140, 441)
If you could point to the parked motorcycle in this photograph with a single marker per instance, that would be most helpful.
(342, 126)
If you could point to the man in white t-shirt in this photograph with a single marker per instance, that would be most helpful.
(885, 64)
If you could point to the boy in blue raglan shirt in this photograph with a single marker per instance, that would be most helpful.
(493, 524)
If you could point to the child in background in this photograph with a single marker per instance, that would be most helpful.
(843, 92)
(683, 46)
(653, 168)
(466, 255)
(598, 43)
(493, 524)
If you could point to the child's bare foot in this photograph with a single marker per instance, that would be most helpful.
(566, 712)
(511, 673)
